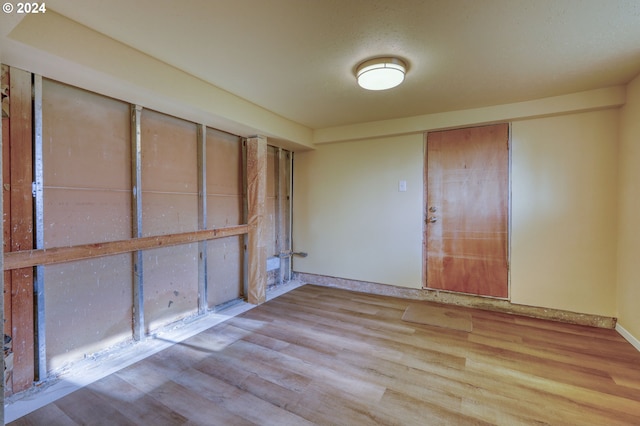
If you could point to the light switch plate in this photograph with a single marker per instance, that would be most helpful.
(402, 186)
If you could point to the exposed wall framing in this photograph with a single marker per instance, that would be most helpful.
(225, 207)
(285, 162)
(38, 195)
(271, 216)
(18, 218)
(256, 196)
(169, 205)
(86, 184)
(3, 94)
(136, 222)
(139, 220)
(202, 218)
(278, 215)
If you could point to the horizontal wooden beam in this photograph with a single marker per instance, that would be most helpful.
(30, 258)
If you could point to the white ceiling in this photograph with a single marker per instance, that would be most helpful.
(297, 57)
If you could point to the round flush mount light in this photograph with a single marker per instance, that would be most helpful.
(381, 73)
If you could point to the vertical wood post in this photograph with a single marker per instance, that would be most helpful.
(21, 149)
(2, 258)
(256, 195)
(202, 219)
(136, 221)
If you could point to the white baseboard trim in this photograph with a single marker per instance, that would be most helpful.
(628, 336)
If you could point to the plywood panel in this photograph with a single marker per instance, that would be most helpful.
(224, 210)
(171, 273)
(225, 257)
(225, 269)
(171, 284)
(85, 216)
(88, 307)
(169, 213)
(169, 154)
(87, 139)
(86, 165)
(169, 205)
(224, 179)
(224, 163)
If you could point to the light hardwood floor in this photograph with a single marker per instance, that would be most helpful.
(318, 355)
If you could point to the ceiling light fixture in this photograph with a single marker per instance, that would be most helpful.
(381, 73)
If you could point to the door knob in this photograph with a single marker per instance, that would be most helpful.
(432, 209)
(433, 219)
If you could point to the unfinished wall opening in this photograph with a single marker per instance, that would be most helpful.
(225, 207)
(278, 215)
(86, 179)
(162, 198)
(169, 206)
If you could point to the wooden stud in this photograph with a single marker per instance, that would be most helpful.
(283, 213)
(5, 188)
(256, 193)
(2, 278)
(245, 219)
(21, 224)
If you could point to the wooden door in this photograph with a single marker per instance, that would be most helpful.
(467, 210)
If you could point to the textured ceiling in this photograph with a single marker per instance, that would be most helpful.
(297, 57)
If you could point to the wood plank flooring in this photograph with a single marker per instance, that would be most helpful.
(319, 355)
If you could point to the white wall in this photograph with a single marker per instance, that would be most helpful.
(350, 217)
(564, 178)
(629, 211)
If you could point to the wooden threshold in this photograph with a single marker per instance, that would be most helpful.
(320, 355)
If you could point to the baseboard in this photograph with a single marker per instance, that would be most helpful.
(628, 336)
(490, 304)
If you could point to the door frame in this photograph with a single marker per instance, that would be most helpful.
(425, 212)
